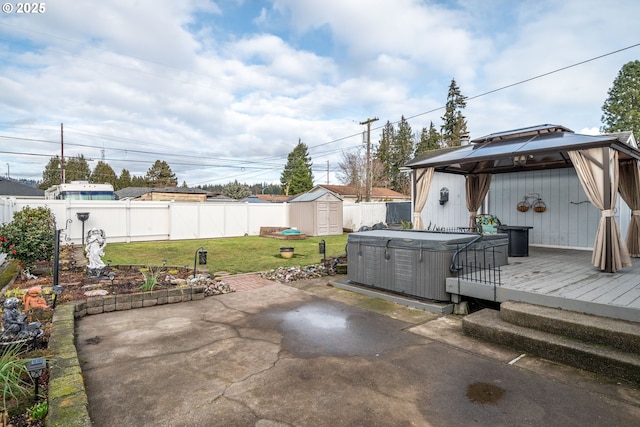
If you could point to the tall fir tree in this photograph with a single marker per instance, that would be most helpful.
(103, 173)
(51, 174)
(161, 175)
(429, 139)
(455, 124)
(621, 109)
(77, 169)
(401, 152)
(383, 153)
(297, 176)
(124, 180)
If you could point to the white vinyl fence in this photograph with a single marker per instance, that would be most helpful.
(131, 221)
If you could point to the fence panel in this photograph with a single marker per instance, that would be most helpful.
(355, 215)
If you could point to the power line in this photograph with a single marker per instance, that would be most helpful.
(312, 147)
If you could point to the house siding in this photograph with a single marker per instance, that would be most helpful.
(570, 219)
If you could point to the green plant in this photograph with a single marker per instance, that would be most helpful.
(15, 293)
(38, 411)
(406, 225)
(13, 369)
(29, 236)
(150, 277)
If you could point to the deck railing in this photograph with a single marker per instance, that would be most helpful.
(479, 265)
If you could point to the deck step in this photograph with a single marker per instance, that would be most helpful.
(619, 334)
(610, 362)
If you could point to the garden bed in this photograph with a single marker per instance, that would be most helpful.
(129, 287)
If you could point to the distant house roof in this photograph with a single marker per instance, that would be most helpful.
(273, 198)
(253, 199)
(135, 192)
(349, 191)
(14, 188)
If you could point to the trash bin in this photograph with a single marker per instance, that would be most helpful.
(518, 239)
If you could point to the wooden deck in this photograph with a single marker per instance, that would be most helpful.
(562, 278)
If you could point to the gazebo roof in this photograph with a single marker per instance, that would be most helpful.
(532, 148)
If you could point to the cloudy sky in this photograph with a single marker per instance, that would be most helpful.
(222, 90)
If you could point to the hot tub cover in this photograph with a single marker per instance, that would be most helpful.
(425, 240)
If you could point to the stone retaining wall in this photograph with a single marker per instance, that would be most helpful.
(106, 304)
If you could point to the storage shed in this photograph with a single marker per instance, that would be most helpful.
(317, 213)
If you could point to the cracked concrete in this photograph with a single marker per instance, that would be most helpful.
(307, 354)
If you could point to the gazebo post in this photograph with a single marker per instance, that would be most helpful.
(608, 238)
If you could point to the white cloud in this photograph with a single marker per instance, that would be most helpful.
(178, 78)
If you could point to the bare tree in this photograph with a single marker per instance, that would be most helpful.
(353, 173)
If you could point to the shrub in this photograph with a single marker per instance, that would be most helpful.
(12, 371)
(29, 237)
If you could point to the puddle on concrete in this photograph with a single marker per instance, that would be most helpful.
(484, 393)
(326, 328)
(313, 316)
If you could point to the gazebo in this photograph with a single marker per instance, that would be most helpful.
(605, 165)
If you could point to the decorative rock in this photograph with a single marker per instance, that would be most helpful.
(97, 293)
(291, 274)
(211, 286)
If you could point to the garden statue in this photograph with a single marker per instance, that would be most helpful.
(33, 299)
(96, 243)
(14, 323)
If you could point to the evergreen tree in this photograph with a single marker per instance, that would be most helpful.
(51, 174)
(77, 169)
(124, 180)
(139, 181)
(383, 152)
(400, 153)
(621, 110)
(429, 140)
(297, 176)
(237, 191)
(455, 124)
(103, 173)
(160, 175)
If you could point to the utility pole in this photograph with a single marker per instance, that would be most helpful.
(61, 154)
(367, 197)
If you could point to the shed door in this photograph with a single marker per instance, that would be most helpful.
(335, 220)
(323, 218)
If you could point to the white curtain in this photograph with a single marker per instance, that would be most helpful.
(423, 179)
(590, 166)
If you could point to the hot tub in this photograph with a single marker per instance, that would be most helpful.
(417, 263)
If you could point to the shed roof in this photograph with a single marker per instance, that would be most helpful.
(533, 148)
(314, 195)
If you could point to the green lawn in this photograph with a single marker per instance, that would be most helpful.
(234, 254)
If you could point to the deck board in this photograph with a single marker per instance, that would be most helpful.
(568, 278)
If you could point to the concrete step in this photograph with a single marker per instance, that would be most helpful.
(619, 334)
(610, 362)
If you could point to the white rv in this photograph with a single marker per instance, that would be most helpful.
(80, 190)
